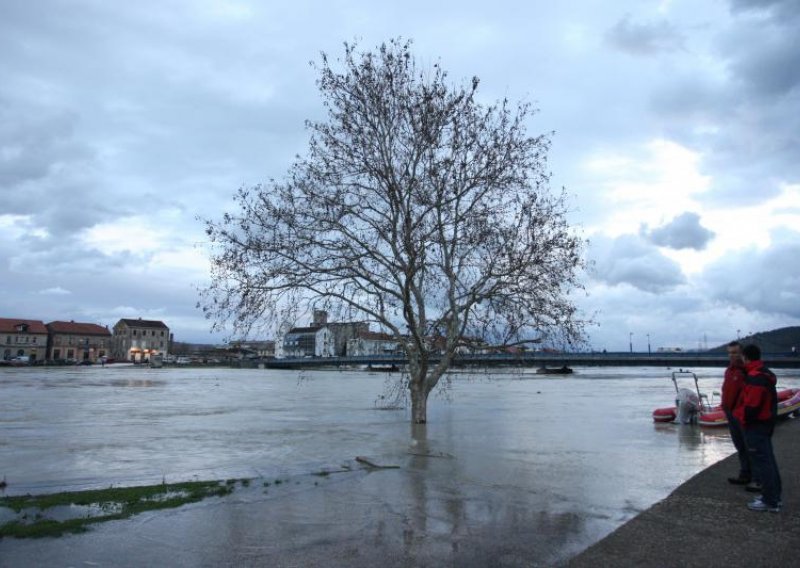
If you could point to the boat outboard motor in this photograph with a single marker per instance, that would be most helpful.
(688, 404)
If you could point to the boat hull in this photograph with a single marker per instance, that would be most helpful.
(788, 402)
(664, 414)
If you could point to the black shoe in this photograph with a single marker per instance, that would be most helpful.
(753, 487)
(739, 480)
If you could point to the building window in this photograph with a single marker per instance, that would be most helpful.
(70, 353)
(134, 332)
(162, 334)
(56, 353)
(35, 339)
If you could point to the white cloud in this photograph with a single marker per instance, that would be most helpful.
(660, 181)
(631, 260)
(55, 291)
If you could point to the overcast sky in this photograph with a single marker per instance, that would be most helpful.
(677, 137)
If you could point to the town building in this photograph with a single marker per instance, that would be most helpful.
(254, 349)
(137, 339)
(321, 338)
(23, 339)
(368, 343)
(311, 341)
(71, 341)
(343, 332)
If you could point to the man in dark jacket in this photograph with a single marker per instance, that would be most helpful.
(731, 389)
(757, 410)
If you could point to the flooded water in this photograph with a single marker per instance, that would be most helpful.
(583, 444)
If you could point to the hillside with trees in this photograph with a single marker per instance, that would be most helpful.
(779, 341)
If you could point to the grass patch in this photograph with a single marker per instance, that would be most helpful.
(113, 504)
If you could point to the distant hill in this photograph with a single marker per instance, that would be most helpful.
(779, 340)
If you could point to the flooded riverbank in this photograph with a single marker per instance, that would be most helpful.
(69, 428)
(575, 456)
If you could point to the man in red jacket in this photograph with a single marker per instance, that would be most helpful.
(731, 389)
(757, 411)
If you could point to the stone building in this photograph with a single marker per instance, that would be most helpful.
(75, 342)
(321, 339)
(23, 338)
(137, 339)
(372, 343)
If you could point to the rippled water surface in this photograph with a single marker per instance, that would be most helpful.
(587, 439)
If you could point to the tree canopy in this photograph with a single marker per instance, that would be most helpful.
(416, 207)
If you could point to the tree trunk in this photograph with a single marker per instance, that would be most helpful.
(419, 403)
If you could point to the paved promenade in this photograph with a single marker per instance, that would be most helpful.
(705, 522)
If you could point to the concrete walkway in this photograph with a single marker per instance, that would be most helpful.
(705, 522)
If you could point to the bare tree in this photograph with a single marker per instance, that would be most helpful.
(417, 207)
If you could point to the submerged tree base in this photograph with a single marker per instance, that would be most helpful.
(72, 511)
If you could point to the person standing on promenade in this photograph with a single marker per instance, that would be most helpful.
(731, 389)
(757, 410)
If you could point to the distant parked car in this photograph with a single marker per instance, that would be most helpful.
(21, 360)
(183, 360)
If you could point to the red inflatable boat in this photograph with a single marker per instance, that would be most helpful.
(692, 406)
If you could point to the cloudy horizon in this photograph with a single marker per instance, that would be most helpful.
(676, 138)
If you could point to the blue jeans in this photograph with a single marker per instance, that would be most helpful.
(759, 444)
(737, 437)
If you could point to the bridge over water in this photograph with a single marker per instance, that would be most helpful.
(681, 360)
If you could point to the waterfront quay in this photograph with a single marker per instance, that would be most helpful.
(539, 359)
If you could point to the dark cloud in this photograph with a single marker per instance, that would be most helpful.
(764, 57)
(683, 232)
(765, 281)
(782, 8)
(33, 142)
(644, 38)
(743, 119)
(630, 260)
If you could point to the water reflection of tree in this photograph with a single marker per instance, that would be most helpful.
(451, 519)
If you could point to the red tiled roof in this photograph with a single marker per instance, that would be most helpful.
(9, 325)
(77, 328)
(143, 323)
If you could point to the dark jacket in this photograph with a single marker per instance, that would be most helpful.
(732, 386)
(758, 401)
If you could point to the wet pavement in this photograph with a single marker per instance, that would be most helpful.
(705, 523)
(514, 470)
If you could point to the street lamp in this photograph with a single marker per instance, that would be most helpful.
(648, 344)
(630, 340)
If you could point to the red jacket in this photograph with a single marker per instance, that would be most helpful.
(758, 401)
(732, 386)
